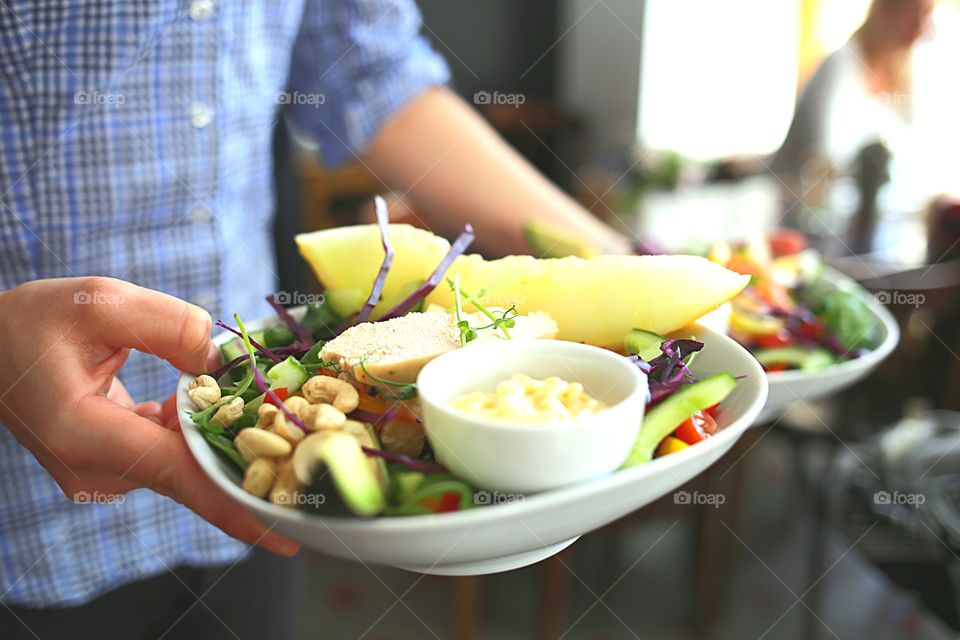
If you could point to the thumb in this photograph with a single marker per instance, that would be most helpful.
(155, 457)
(148, 321)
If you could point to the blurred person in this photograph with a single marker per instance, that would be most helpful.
(890, 83)
(136, 200)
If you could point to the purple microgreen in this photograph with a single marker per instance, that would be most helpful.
(410, 462)
(660, 391)
(260, 382)
(648, 247)
(296, 349)
(302, 333)
(373, 418)
(456, 249)
(383, 220)
(642, 364)
(670, 363)
(216, 374)
(667, 372)
(259, 347)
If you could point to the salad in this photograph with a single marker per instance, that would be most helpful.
(789, 316)
(321, 413)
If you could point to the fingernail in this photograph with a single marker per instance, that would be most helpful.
(213, 358)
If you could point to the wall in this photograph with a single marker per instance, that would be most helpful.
(599, 68)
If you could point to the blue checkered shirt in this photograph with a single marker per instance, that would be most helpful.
(136, 141)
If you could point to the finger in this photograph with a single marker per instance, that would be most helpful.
(170, 418)
(119, 394)
(125, 315)
(152, 411)
(214, 358)
(152, 456)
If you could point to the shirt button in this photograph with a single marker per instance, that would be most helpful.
(200, 115)
(201, 10)
(200, 214)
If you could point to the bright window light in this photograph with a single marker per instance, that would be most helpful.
(718, 79)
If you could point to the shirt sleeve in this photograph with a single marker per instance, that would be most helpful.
(354, 65)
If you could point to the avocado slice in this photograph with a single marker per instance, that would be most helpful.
(551, 241)
(664, 418)
(358, 484)
(366, 435)
(645, 344)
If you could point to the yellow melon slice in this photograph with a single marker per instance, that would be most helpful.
(596, 300)
(346, 261)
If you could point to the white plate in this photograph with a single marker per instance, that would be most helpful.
(508, 535)
(787, 387)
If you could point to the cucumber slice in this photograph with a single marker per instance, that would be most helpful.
(661, 421)
(278, 336)
(804, 359)
(403, 484)
(289, 374)
(234, 347)
(645, 344)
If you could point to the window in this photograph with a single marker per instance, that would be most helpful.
(718, 78)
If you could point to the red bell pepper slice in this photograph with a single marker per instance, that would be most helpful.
(282, 393)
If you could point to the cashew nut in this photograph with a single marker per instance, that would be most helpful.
(204, 391)
(266, 413)
(229, 413)
(286, 487)
(259, 477)
(324, 417)
(258, 443)
(283, 428)
(362, 432)
(339, 393)
(297, 406)
(308, 456)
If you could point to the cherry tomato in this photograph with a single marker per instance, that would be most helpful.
(450, 501)
(773, 340)
(708, 424)
(688, 431)
(697, 427)
(282, 394)
(774, 294)
(812, 329)
(786, 242)
(774, 368)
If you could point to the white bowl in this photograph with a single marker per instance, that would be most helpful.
(511, 457)
(788, 387)
(514, 534)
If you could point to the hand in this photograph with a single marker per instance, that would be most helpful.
(62, 342)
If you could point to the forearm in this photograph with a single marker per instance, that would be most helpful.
(453, 168)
